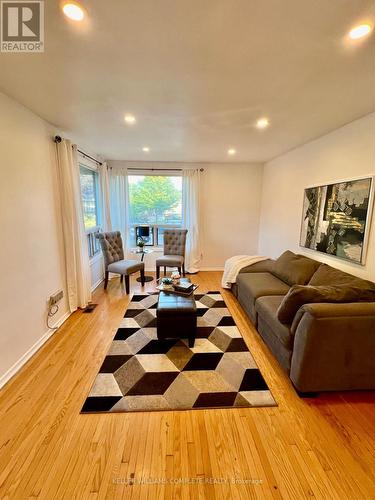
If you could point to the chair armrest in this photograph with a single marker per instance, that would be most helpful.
(334, 347)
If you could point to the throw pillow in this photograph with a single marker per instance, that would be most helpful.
(294, 269)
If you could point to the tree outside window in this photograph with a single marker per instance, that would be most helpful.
(155, 199)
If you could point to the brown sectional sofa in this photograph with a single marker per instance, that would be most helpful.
(329, 345)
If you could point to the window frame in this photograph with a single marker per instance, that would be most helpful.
(92, 241)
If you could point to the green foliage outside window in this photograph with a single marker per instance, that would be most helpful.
(155, 199)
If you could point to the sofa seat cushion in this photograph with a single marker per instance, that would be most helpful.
(126, 267)
(170, 260)
(294, 269)
(261, 284)
(267, 308)
(254, 285)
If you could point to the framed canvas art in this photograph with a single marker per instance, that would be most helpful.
(336, 218)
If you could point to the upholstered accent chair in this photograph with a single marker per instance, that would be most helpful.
(114, 262)
(174, 251)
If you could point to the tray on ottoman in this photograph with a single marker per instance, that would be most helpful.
(176, 317)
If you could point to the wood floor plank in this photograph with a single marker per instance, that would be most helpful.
(320, 448)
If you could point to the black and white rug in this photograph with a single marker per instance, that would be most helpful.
(142, 373)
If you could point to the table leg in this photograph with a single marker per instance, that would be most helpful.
(146, 278)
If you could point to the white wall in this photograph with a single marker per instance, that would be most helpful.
(30, 247)
(231, 194)
(346, 153)
(230, 210)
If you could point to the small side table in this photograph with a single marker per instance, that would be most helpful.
(143, 252)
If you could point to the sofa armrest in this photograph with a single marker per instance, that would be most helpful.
(332, 310)
(264, 266)
(334, 347)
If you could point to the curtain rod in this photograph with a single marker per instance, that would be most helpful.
(161, 169)
(58, 139)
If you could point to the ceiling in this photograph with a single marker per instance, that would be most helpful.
(197, 75)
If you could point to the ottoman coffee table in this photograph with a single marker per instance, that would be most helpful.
(176, 316)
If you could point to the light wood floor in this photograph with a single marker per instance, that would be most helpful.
(322, 448)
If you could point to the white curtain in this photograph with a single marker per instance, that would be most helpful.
(77, 264)
(105, 198)
(191, 218)
(118, 188)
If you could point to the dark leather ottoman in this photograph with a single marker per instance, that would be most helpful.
(176, 317)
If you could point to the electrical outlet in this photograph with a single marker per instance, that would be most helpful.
(56, 297)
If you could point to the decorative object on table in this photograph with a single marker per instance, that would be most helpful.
(336, 219)
(114, 262)
(184, 286)
(142, 373)
(175, 275)
(140, 242)
(174, 251)
(166, 284)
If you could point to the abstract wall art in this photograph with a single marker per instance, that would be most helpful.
(336, 219)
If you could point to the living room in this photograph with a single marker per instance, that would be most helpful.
(250, 126)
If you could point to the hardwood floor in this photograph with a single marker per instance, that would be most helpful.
(321, 447)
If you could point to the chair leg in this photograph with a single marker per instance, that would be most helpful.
(142, 277)
(183, 269)
(106, 280)
(165, 271)
(157, 272)
(179, 270)
(127, 284)
(122, 278)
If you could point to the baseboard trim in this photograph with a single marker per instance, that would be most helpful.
(211, 269)
(25, 358)
(95, 285)
(201, 269)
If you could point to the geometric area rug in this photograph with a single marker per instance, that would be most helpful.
(142, 373)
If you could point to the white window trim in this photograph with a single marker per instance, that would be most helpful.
(85, 163)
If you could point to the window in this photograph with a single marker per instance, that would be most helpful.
(89, 180)
(89, 191)
(156, 201)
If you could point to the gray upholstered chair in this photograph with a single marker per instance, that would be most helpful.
(114, 262)
(174, 251)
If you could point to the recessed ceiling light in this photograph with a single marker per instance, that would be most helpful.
(231, 152)
(73, 11)
(146, 149)
(130, 119)
(262, 123)
(360, 31)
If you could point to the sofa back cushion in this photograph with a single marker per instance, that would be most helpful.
(327, 275)
(294, 269)
(300, 295)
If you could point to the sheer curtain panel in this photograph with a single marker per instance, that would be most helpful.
(77, 264)
(119, 193)
(191, 218)
(105, 198)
